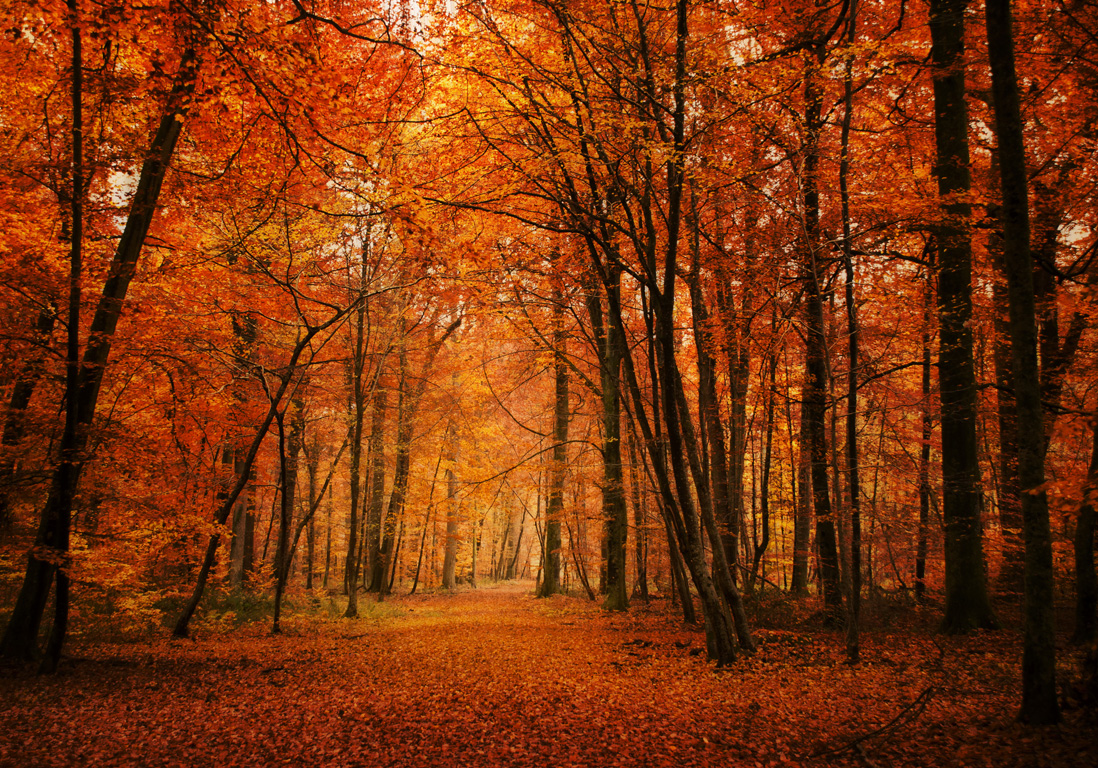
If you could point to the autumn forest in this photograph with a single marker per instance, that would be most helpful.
(658, 345)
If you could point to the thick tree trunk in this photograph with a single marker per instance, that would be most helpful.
(815, 399)
(1039, 703)
(614, 512)
(67, 471)
(21, 634)
(967, 605)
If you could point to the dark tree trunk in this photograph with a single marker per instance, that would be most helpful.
(924, 456)
(815, 399)
(67, 471)
(1039, 703)
(313, 460)
(802, 520)
(615, 515)
(21, 634)
(288, 451)
(357, 408)
(852, 641)
(640, 522)
(1012, 570)
(554, 508)
(376, 502)
(967, 605)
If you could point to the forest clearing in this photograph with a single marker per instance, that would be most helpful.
(496, 676)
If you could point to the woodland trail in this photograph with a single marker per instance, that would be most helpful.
(496, 677)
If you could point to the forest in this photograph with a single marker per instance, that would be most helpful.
(745, 326)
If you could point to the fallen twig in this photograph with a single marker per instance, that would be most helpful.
(905, 715)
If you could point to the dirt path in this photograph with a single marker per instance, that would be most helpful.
(495, 677)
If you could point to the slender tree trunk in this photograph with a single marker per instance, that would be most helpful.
(554, 509)
(1039, 703)
(376, 504)
(310, 532)
(764, 493)
(924, 457)
(67, 471)
(852, 640)
(802, 520)
(222, 514)
(357, 409)
(289, 450)
(449, 561)
(640, 522)
(967, 605)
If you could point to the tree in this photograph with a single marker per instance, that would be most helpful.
(1039, 702)
(21, 633)
(554, 506)
(967, 604)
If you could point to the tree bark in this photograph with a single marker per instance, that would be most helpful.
(967, 606)
(815, 398)
(1039, 702)
(21, 634)
(376, 503)
(288, 449)
(614, 512)
(554, 508)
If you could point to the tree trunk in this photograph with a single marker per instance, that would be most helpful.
(288, 450)
(640, 523)
(21, 634)
(357, 409)
(376, 505)
(1039, 703)
(852, 641)
(614, 512)
(802, 520)
(67, 471)
(554, 509)
(449, 560)
(924, 457)
(815, 398)
(967, 605)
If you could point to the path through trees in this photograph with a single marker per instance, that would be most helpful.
(497, 677)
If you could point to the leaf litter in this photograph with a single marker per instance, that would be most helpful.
(497, 677)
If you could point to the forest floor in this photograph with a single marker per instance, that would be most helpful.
(496, 677)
